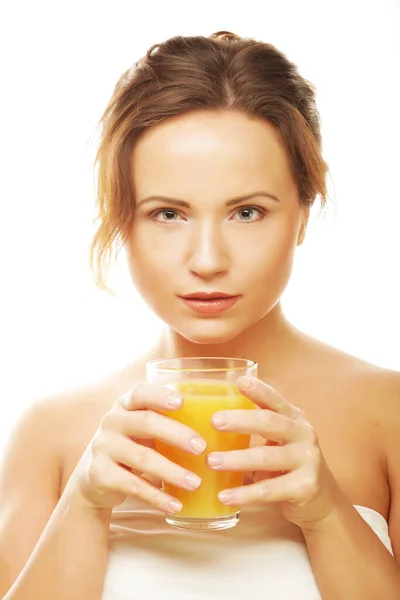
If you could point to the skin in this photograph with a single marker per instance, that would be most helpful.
(195, 242)
(207, 159)
(337, 416)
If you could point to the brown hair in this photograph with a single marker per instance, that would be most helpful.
(182, 74)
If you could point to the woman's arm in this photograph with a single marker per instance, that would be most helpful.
(69, 560)
(61, 560)
(348, 559)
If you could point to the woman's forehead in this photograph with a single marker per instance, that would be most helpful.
(218, 148)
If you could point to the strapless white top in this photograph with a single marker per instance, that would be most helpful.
(149, 560)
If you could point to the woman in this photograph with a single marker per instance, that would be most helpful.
(209, 162)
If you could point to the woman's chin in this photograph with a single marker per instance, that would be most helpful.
(210, 332)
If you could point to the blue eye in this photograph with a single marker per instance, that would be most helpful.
(169, 213)
(248, 212)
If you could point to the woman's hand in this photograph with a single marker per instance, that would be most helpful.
(121, 460)
(292, 471)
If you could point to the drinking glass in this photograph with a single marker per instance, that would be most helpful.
(207, 385)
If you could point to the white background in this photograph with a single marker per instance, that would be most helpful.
(59, 64)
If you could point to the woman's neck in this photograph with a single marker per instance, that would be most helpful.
(272, 342)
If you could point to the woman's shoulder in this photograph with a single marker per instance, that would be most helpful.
(94, 396)
(78, 410)
(64, 422)
(352, 369)
(366, 386)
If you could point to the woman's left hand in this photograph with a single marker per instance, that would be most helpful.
(307, 489)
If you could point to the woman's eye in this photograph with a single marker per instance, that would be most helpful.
(164, 215)
(247, 213)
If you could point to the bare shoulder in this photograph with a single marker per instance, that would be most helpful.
(79, 410)
(77, 413)
(61, 425)
(376, 386)
(366, 395)
(41, 452)
(372, 395)
(376, 391)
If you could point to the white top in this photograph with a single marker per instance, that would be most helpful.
(150, 560)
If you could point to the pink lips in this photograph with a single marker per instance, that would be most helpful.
(209, 303)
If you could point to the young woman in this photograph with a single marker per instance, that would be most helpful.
(209, 162)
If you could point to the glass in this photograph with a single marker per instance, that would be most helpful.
(207, 385)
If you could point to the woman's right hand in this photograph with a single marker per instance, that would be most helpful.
(112, 465)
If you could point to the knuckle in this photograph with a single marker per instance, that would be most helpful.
(97, 441)
(265, 417)
(108, 421)
(135, 390)
(271, 455)
(123, 401)
(313, 453)
(146, 418)
(261, 454)
(136, 487)
(142, 457)
(291, 452)
(110, 484)
(311, 434)
(95, 473)
(161, 499)
(128, 399)
(281, 407)
(300, 414)
(156, 497)
(264, 487)
(309, 485)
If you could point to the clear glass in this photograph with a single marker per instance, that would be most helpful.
(207, 385)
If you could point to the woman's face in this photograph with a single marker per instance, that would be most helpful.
(198, 240)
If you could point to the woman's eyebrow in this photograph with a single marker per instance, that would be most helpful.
(229, 203)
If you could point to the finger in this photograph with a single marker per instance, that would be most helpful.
(259, 458)
(150, 424)
(133, 485)
(270, 425)
(152, 396)
(266, 396)
(141, 459)
(153, 480)
(149, 442)
(295, 486)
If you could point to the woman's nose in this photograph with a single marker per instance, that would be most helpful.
(208, 254)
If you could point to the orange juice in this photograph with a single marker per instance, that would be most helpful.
(201, 399)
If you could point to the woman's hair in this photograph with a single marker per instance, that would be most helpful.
(184, 74)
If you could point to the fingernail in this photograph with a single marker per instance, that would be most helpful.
(219, 419)
(192, 480)
(175, 506)
(174, 400)
(215, 460)
(246, 382)
(225, 497)
(197, 444)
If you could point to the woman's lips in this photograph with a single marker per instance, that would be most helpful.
(210, 306)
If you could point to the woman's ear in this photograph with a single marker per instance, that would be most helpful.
(303, 227)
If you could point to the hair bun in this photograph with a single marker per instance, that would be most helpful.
(226, 35)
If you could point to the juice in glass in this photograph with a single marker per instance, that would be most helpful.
(203, 396)
(201, 399)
